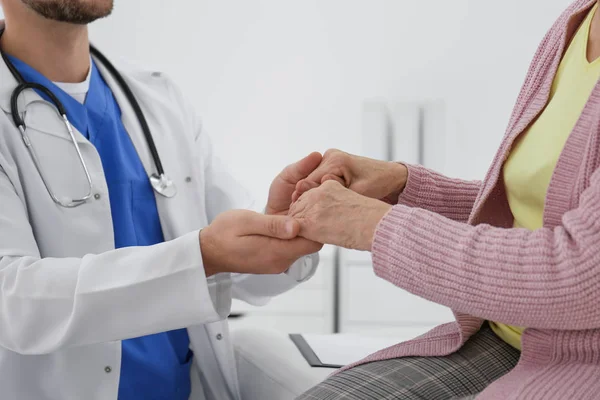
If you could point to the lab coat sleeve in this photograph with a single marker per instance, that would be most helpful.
(51, 303)
(224, 192)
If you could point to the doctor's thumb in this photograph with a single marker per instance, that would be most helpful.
(276, 226)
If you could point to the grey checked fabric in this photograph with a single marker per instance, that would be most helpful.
(460, 376)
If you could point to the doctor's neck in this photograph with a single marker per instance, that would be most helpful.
(51, 36)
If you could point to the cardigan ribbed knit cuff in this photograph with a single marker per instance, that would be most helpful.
(452, 198)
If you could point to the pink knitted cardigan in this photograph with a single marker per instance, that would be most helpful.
(451, 242)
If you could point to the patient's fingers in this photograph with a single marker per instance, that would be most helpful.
(331, 177)
(305, 185)
(302, 187)
(315, 178)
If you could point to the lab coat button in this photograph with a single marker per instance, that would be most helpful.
(219, 336)
(156, 74)
(107, 369)
(97, 196)
(188, 179)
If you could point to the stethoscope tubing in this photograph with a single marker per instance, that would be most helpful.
(161, 183)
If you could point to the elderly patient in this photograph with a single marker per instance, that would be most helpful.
(515, 256)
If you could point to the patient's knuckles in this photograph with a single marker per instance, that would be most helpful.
(329, 193)
(332, 154)
(361, 187)
(331, 186)
(334, 160)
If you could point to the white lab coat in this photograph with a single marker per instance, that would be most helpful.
(67, 297)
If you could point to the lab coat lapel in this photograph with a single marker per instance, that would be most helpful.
(51, 140)
(185, 212)
(178, 215)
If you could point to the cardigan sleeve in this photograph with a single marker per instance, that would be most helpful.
(546, 279)
(452, 198)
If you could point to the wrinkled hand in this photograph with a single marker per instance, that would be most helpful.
(243, 241)
(380, 180)
(280, 193)
(332, 214)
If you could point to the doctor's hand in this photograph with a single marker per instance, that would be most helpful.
(280, 193)
(242, 241)
(333, 214)
(382, 180)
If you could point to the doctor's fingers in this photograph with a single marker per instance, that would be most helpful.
(301, 169)
(291, 250)
(275, 226)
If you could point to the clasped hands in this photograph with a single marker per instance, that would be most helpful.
(342, 201)
(334, 199)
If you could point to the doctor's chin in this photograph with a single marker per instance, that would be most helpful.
(299, 200)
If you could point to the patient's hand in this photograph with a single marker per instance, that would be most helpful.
(381, 180)
(332, 214)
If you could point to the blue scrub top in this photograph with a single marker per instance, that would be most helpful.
(152, 367)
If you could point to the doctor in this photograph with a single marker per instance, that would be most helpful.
(107, 288)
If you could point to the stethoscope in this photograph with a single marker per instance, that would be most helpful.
(161, 183)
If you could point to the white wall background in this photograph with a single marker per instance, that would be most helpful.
(276, 79)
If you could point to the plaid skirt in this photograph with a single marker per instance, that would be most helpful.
(461, 376)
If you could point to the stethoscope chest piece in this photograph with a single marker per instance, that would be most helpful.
(163, 185)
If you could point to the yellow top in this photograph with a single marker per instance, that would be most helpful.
(529, 168)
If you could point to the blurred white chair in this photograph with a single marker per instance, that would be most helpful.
(270, 367)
